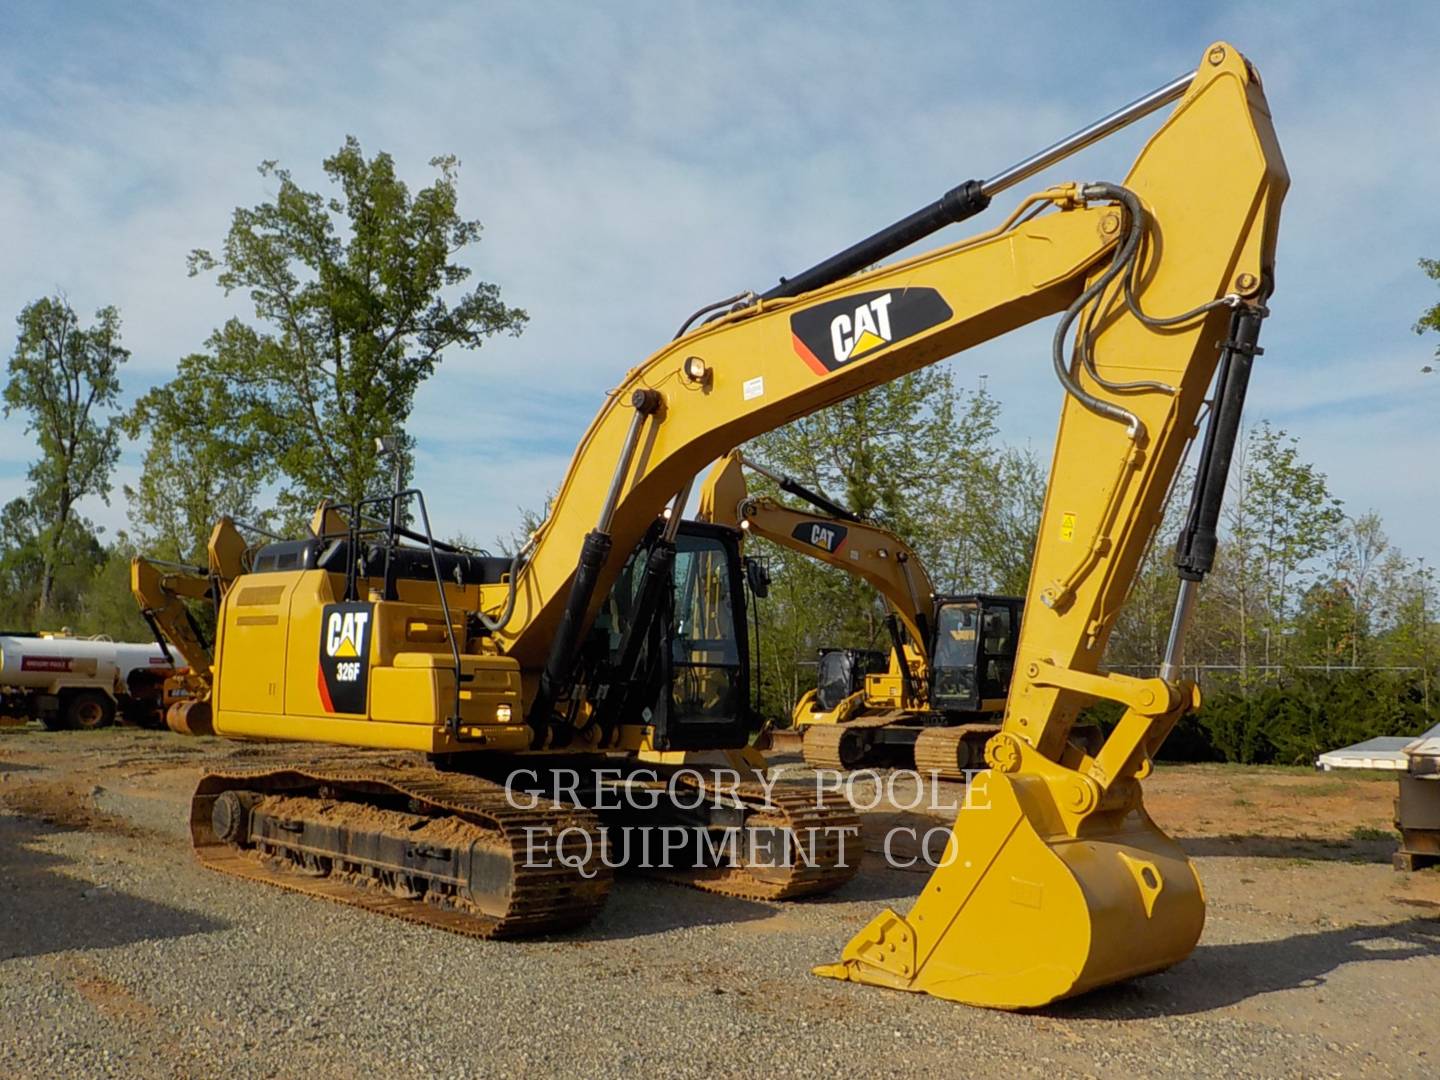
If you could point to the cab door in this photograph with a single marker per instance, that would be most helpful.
(999, 634)
(954, 656)
(706, 657)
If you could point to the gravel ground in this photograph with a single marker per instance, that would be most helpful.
(119, 956)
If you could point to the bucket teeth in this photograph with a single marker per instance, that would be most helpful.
(884, 949)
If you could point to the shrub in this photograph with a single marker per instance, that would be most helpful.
(1290, 724)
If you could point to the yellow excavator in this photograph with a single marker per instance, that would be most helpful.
(615, 638)
(164, 590)
(932, 700)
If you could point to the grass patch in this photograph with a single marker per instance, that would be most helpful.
(1327, 787)
(1369, 832)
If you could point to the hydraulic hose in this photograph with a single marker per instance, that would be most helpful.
(1123, 256)
(718, 305)
(498, 622)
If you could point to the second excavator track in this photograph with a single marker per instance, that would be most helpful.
(948, 752)
(842, 746)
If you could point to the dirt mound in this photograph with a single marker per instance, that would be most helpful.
(67, 802)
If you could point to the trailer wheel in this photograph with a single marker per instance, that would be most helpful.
(88, 710)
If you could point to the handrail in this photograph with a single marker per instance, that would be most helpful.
(390, 528)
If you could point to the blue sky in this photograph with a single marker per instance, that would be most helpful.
(633, 161)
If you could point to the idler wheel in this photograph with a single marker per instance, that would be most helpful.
(230, 816)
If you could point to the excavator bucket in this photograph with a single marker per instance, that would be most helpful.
(1020, 913)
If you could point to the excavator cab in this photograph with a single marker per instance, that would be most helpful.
(841, 672)
(709, 650)
(690, 671)
(973, 654)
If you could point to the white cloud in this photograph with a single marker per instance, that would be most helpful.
(629, 167)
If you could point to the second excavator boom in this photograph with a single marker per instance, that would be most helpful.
(935, 703)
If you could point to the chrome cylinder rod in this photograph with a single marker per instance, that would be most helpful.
(968, 199)
(644, 402)
(676, 511)
(1179, 625)
(1108, 125)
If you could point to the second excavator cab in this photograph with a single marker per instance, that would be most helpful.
(842, 672)
(973, 654)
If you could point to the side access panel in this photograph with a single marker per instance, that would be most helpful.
(250, 674)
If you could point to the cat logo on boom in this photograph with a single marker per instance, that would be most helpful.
(867, 329)
(827, 537)
(839, 332)
(344, 657)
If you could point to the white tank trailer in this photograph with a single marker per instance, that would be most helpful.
(74, 682)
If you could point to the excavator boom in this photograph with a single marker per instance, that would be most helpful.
(1205, 177)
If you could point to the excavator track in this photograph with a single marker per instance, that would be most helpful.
(820, 850)
(947, 752)
(842, 746)
(440, 849)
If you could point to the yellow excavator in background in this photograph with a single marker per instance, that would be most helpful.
(616, 635)
(163, 590)
(932, 701)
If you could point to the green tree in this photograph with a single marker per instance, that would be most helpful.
(1281, 519)
(1292, 515)
(65, 379)
(21, 564)
(198, 465)
(1407, 606)
(22, 568)
(106, 606)
(1020, 499)
(884, 454)
(1430, 319)
(980, 523)
(1326, 632)
(1357, 564)
(350, 301)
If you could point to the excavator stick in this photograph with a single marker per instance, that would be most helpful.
(161, 589)
(1054, 880)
